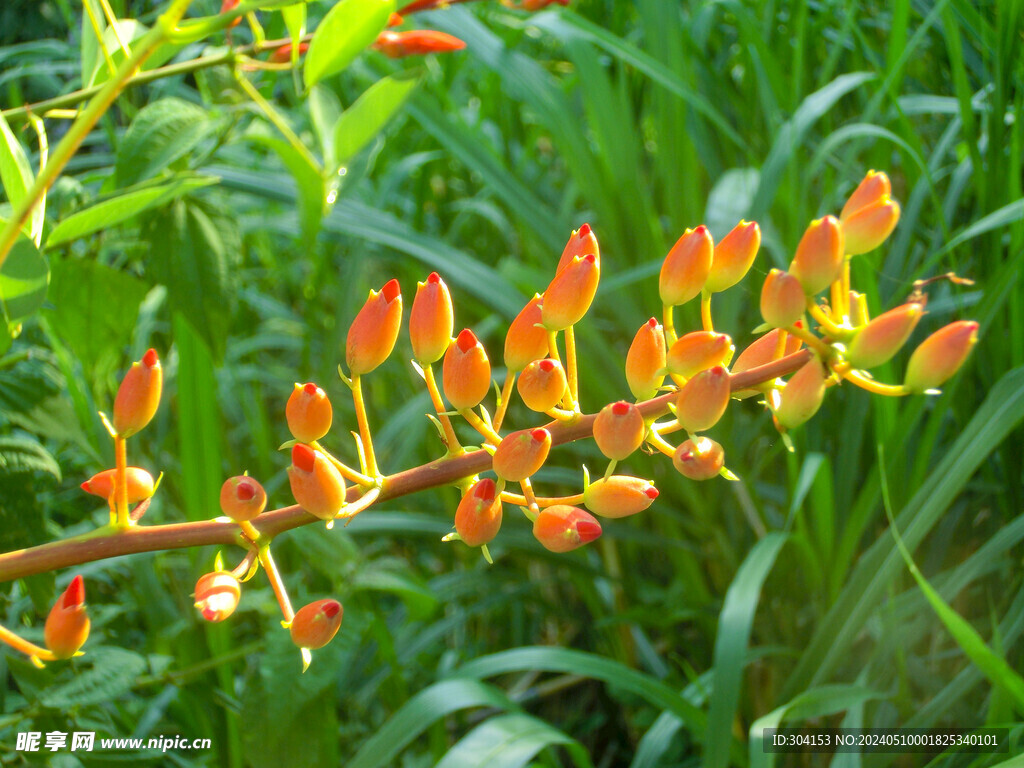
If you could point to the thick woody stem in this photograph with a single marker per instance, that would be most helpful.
(109, 542)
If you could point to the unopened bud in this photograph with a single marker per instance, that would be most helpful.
(526, 340)
(868, 228)
(703, 399)
(619, 430)
(521, 454)
(138, 396)
(561, 528)
(308, 413)
(874, 187)
(416, 42)
(67, 625)
(217, 595)
(940, 356)
(242, 498)
(373, 333)
(619, 496)
(139, 481)
(542, 384)
(879, 340)
(698, 351)
(317, 485)
(686, 267)
(570, 293)
(782, 299)
(478, 516)
(316, 624)
(645, 361)
(802, 395)
(699, 459)
(431, 321)
(761, 352)
(466, 374)
(582, 242)
(734, 256)
(819, 256)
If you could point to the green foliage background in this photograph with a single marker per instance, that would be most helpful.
(725, 608)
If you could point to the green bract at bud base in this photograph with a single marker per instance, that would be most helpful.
(619, 496)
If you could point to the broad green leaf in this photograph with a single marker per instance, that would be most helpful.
(348, 28)
(25, 454)
(112, 675)
(309, 184)
(358, 124)
(16, 175)
(24, 276)
(161, 133)
(123, 207)
(510, 741)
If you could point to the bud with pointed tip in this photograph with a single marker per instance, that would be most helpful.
(431, 321)
(526, 341)
(542, 384)
(802, 395)
(562, 528)
(373, 333)
(316, 624)
(697, 351)
(686, 267)
(868, 228)
(645, 361)
(703, 399)
(318, 487)
(67, 625)
(619, 430)
(733, 256)
(139, 481)
(138, 396)
(819, 256)
(879, 340)
(217, 595)
(283, 55)
(466, 375)
(242, 498)
(478, 516)
(872, 188)
(570, 293)
(699, 459)
(940, 356)
(619, 496)
(521, 454)
(416, 42)
(308, 413)
(782, 299)
(583, 241)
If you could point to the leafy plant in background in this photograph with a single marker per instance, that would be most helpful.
(192, 240)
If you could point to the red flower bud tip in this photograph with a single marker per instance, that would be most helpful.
(466, 374)
(697, 351)
(416, 42)
(699, 459)
(308, 413)
(619, 496)
(819, 256)
(733, 256)
(873, 188)
(542, 385)
(645, 361)
(581, 243)
(229, 5)
(561, 528)
(67, 625)
(686, 267)
(242, 498)
(521, 454)
(217, 595)
(940, 356)
(619, 430)
(283, 55)
(782, 299)
(138, 396)
(431, 321)
(802, 395)
(570, 294)
(316, 484)
(703, 399)
(879, 340)
(373, 333)
(316, 624)
(868, 228)
(139, 481)
(395, 20)
(478, 517)
(525, 341)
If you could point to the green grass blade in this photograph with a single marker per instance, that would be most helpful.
(368, 115)
(510, 741)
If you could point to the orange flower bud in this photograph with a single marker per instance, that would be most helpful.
(283, 55)
(431, 321)
(139, 395)
(308, 412)
(882, 338)
(687, 266)
(373, 333)
(570, 294)
(416, 42)
(316, 624)
(67, 626)
(873, 188)
(561, 528)
(521, 454)
(478, 516)
(699, 459)
(703, 399)
(542, 384)
(526, 341)
(538, 5)
(316, 484)
(645, 361)
(217, 595)
(619, 496)
(733, 256)
(802, 395)
(242, 498)
(940, 356)
(583, 241)
(619, 430)
(466, 374)
(761, 352)
(229, 5)
(868, 228)
(819, 257)
(698, 351)
(395, 20)
(139, 481)
(782, 299)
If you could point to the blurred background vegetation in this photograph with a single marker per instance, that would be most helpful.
(726, 607)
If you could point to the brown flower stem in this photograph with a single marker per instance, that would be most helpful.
(110, 542)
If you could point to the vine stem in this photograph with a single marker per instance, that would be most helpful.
(106, 542)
